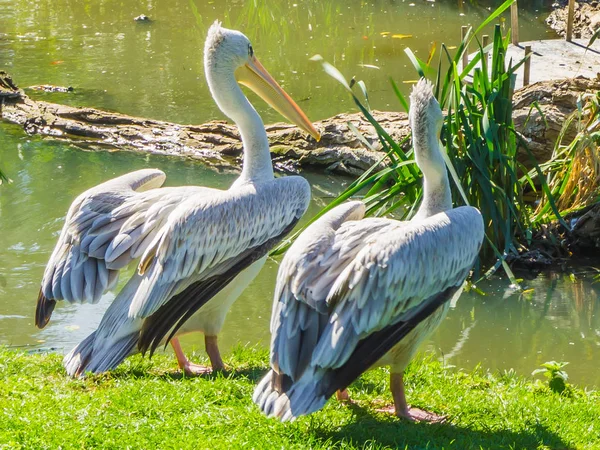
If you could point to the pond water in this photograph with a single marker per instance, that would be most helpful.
(155, 70)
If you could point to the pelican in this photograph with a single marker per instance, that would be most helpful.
(353, 292)
(199, 247)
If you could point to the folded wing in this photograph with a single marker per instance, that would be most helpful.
(384, 277)
(105, 229)
(205, 244)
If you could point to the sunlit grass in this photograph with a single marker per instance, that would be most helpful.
(146, 404)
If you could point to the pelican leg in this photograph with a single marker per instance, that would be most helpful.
(401, 408)
(210, 344)
(342, 396)
(189, 368)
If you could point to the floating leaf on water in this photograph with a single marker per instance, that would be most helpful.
(385, 33)
(72, 327)
(401, 36)
(410, 81)
(55, 63)
(451, 47)
(41, 341)
(369, 66)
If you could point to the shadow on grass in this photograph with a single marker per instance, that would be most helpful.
(368, 428)
(146, 370)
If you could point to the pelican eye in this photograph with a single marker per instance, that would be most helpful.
(250, 51)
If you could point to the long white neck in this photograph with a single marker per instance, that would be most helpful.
(257, 165)
(437, 196)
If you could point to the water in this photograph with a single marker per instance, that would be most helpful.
(155, 70)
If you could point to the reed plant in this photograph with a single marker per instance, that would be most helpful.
(481, 148)
(573, 171)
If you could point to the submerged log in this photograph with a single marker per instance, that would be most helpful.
(218, 144)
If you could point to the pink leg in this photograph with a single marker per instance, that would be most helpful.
(401, 408)
(189, 368)
(210, 344)
(342, 396)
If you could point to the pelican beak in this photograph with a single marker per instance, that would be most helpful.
(255, 76)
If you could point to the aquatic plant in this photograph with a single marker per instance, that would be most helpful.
(480, 140)
(573, 171)
(557, 377)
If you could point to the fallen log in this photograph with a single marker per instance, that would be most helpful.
(217, 143)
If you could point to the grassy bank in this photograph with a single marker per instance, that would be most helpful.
(146, 404)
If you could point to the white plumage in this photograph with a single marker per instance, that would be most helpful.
(193, 241)
(353, 292)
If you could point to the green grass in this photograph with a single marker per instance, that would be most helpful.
(147, 404)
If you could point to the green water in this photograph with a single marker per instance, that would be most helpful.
(155, 70)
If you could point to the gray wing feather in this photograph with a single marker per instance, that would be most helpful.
(337, 285)
(304, 279)
(205, 236)
(108, 227)
(68, 255)
(393, 273)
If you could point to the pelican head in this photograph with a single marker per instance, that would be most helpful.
(426, 120)
(229, 57)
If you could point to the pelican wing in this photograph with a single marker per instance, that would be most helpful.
(305, 277)
(389, 276)
(70, 275)
(106, 228)
(205, 244)
(397, 277)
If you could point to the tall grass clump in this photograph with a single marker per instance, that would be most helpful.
(481, 145)
(573, 171)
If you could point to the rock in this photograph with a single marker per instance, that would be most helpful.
(142, 18)
(556, 100)
(586, 20)
(8, 89)
(51, 88)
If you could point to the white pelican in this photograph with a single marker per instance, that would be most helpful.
(353, 291)
(199, 247)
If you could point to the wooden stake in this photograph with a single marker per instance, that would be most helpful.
(514, 23)
(527, 68)
(465, 56)
(570, 18)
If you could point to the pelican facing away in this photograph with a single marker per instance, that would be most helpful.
(353, 292)
(199, 247)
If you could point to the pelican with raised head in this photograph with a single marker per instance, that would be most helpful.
(353, 292)
(199, 247)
